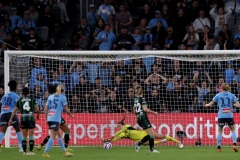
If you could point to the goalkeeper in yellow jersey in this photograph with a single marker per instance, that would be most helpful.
(126, 131)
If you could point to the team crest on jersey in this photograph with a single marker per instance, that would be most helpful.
(6, 108)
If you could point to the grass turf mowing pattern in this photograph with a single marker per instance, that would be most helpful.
(127, 153)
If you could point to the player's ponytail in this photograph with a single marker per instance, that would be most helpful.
(59, 90)
(225, 87)
(138, 90)
(122, 121)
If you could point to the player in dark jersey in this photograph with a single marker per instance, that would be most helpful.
(63, 126)
(141, 110)
(7, 104)
(26, 105)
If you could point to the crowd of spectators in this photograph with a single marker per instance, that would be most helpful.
(108, 87)
(165, 25)
(30, 24)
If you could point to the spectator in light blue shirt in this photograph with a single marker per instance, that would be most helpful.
(106, 38)
(138, 38)
(92, 70)
(153, 21)
(105, 74)
(92, 17)
(35, 71)
(78, 72)
(55, 79)
(106, 12)
(148, 37)
(14, 18)
(236, 78)
(229, 72)
(40, 81)
(148, 61)
(25, 23)
(62, 76)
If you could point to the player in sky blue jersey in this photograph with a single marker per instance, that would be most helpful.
(226, 100)
(8, 104)
(53, 110)
(63, 125)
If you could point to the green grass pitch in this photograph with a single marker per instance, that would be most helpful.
(128, 153)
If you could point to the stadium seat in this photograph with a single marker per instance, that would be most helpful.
(43, 33)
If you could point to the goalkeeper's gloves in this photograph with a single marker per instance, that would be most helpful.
(104, 140)
(107, 140)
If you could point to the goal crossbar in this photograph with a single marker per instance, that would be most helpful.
(154, 52)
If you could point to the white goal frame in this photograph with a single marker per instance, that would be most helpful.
(8, 53)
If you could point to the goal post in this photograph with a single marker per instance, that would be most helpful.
(110, 76)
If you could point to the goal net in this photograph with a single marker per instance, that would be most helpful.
(99, 87)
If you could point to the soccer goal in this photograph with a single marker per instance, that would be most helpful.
(99, 86)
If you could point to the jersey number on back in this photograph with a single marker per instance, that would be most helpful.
(53, 104)
(8, 101)
(138, 107)
(225, 102)
(26, 106)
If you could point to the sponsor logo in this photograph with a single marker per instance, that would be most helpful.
(6, 108)
(93, 128)
(221, 124)
(226, 110)
(51, 113)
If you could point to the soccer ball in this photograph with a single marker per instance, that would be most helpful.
(107, 145)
